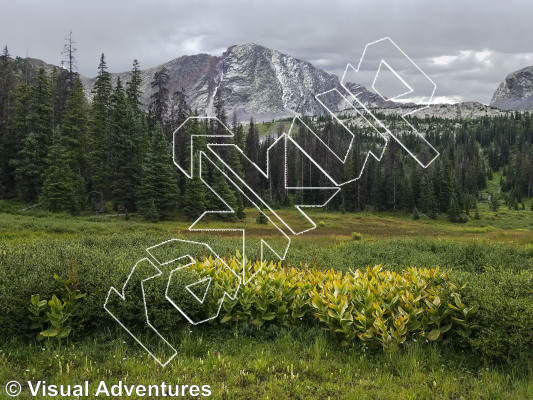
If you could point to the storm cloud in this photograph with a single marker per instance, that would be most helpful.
(466, 47)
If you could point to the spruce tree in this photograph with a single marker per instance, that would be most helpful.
(194, 202)
(124, 150)
(222, 188)
(99, 138)
(180, 109)
(70, 62)
(7, 88)
(134, 90)
(30, 162)
(453, 209)
(494, 202)
(40, 123)
(28, 169)
(74, 129)
(159, 180)
(63, 188)
(239, 206)
(261, 218)
(252, 152)
(12, 141)
(40, 120)
(160, 97)
(59, 89)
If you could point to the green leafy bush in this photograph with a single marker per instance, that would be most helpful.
(356, 236)
(504, 317)
(59, 316)
(372, 305)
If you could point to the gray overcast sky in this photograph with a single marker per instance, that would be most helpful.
(466, 47)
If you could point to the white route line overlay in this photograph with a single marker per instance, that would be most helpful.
(122, 294)
(256, 200)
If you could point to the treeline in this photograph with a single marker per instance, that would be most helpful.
(58, 150)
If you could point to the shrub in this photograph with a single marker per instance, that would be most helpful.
(388, 308)
(504, 316)
(261, 218)
(59, 316)
(373, 305)
(356, 236)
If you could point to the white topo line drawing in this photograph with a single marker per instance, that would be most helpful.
(378, 56)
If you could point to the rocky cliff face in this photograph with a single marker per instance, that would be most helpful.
(255, 81)
(467, 109)
(516, 91)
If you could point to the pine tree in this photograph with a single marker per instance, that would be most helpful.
(252, 152)
(261, 218)
(12, 141)
(453, 209)
(74, 128)
(7, 87)
(124, 150)
(194, 198)
(59, 89)
(239, 206)
(223, 189)
(30, 162)
(160, 97)
(195, 202)
(63, 188)
(40, 119)
(428, 203)
(28, 174)
(134, 90)
(494, 202)
(70, 61)
(180, 110)
(99, 138)
(159, 181)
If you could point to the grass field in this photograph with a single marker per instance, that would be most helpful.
(242, 361)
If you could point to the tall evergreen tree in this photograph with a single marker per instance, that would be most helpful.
(28, 169)
(11, 144)
(134, 90)
(31, 161)
(194, 201)
(159, 180)
(252, 152)
(40, 120)
(74, 129)
(63, 188)
(100, 136)
(160, 97)
(70, 62)
(124, 150)
(59, 91)
(7, 87)
(453, 210)
(222, 188)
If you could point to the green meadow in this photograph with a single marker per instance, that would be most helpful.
(492, 256)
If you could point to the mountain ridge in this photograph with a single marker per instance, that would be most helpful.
(265, 84)
(515, 92)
